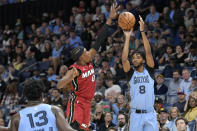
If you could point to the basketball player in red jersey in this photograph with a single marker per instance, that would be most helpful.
(81, 78)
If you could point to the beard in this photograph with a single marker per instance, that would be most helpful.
(121, 124)
(138, 66)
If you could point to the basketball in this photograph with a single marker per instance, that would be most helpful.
(126, 20)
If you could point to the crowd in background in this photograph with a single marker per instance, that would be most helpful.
(41, 52)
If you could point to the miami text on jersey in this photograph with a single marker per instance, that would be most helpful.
(141, 79)
(88, 73)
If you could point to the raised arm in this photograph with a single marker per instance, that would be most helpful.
(61, 122)
(149, 57)
(125, 52)
(67, 79)
(104, 32)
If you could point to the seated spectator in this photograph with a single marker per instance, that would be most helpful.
(56, 100)
(74, 40)
(191, 109)
(194, 72)
(160, 88)
(58, 24)
(182, 124)
(180, 55)
(168, 70)
(186, 83)
(56, 54)
(192, 56)
(36, 74)
(114, 89)
(189, 17)
(10, 98)
(122, 122)
(98, 116)
(158, 104)
(174, 114)
(19, 63)
(51, 75)
(163, 117)
(105, 67)
(174, 85)
(152, 16)
(181, 102)
(99, 86)
(47, 51)
(165, 59)
(108, 122)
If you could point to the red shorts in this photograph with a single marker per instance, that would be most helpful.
(78, 109)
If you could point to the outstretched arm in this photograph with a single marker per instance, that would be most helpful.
(125, 52)
(61, 122)
(104, 32)
(67, 79)
(149, 57)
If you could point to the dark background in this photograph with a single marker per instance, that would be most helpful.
(28, 10)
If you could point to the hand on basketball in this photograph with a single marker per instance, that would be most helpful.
(113, 11)
(141, 22)
(128, 33)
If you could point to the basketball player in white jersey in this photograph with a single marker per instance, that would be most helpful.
(38, 116)
(140, 77)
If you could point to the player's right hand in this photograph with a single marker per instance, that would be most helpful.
(128, 33)
(75, 73)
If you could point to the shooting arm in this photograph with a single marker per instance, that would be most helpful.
(125, 53)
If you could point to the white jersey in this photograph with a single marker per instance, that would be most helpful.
(142, 91)
(37, 118)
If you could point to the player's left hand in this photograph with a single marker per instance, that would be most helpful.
(141, 22)
(113, 11)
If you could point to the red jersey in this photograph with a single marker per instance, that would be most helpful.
(84, 85)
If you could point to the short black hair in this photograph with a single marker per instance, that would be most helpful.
(139, 52)
(32, 89)
(181, 118)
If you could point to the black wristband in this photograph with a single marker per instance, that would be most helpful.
(142, 31)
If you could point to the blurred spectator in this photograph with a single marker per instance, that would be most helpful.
(168, 70)
(181, 102)
(56, 100)
(56, 55)
(180, 55)
(112, 88)
(174, 114)
(152, 16)
(163, 117)
(99, 86)
(160, 88)
(192, 56)
(185, 84)
(191, 109)
(194, 72)
(173, 87)
(122, 122)
(10, 98)
(182, 124)
(98, 116)
(189, 17)
(108, 122)
(166, 56)
(74, 40)
(51, 75)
